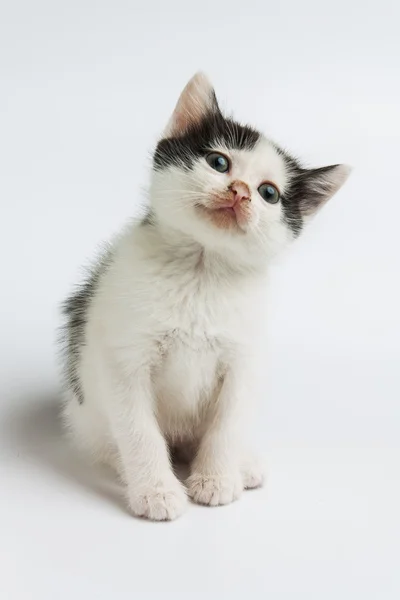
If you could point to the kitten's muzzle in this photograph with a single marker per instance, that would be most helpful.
(230, 209)
(236, 200)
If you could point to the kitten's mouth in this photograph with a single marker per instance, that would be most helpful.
(226, 214)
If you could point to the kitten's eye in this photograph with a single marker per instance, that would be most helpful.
(269, 193)
(218, 161)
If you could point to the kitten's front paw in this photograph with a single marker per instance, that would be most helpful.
(214, 490)
(162, 502)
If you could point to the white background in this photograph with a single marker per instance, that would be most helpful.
(86, 87)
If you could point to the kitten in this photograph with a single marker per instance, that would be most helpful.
(164, 340)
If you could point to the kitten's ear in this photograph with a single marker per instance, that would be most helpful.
(319, 185)
(196, 101)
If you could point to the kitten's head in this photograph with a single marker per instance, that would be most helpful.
(227, 186)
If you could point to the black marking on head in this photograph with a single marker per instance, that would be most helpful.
(306, 191)
(200, 138)
(75, 308)
(290, 199)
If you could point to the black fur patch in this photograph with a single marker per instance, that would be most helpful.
(75, 309)
(291, 199)
(148, 219)
(200, 138)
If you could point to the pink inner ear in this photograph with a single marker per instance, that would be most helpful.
(183, 118)
(196, 100)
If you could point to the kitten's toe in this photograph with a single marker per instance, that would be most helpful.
(214, 490)
(253, 474)
(161, 502)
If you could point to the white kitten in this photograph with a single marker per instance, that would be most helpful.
(163, 340)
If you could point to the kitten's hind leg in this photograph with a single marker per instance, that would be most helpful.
(253, 471)
(88, 429)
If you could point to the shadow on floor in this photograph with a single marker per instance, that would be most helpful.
(32, 434)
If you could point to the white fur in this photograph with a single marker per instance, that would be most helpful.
(169, 321)
(173, 339)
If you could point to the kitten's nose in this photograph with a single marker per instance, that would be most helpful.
(240, 191)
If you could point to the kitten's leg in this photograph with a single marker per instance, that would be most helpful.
(153, 491)
(216, 474)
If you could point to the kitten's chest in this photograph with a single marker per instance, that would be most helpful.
(186, 378)
(198, 336)
(198, 315)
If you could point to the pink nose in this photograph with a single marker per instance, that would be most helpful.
(240, 191)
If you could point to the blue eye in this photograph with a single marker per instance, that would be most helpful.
(269, 193)
(218, 162)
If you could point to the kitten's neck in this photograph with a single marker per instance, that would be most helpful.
(173, 245)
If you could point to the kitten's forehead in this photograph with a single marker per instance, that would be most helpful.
(261, 163)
